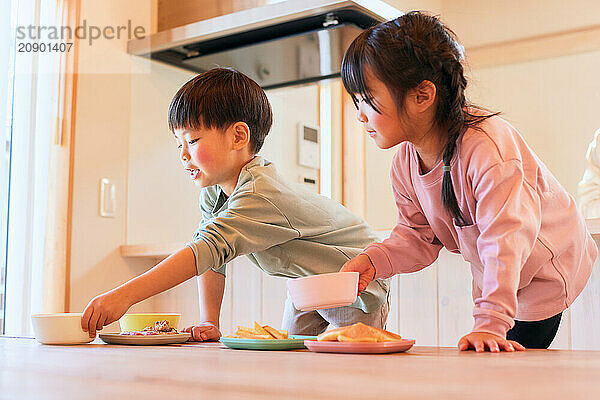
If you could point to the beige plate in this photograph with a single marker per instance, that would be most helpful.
(116, 338)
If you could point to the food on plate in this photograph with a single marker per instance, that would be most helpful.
(259, 332)
(358, 332)
(159, 328)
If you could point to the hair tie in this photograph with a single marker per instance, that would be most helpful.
(446, 168)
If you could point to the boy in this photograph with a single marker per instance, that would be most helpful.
(220, 120)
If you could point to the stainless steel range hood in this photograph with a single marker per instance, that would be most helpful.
(281, 44)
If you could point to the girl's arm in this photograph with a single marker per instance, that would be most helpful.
(110, 306)
(508, 217)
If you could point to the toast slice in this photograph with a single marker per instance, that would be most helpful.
(359, 332)
(275, 333)
(262, 331)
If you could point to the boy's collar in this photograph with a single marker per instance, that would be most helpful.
(257, 161)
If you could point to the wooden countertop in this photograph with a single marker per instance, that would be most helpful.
(210, 371)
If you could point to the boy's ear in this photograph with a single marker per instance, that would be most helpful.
(424, 95)
(241, 135)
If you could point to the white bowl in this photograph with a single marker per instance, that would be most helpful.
(61, 328)
(323, 291)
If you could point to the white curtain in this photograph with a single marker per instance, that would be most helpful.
(33, 124)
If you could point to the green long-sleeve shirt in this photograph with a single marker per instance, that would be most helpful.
(285, 230)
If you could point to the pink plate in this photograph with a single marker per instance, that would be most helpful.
(357, 347)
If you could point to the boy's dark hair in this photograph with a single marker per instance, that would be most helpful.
(218, 98)
(404, 52)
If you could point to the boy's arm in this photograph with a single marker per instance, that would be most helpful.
(211, 286)
(251, 223)
(110, 306)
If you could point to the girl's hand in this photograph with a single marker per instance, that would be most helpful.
(203, 332)
(366, 271)
(482, 341)
(103, 310)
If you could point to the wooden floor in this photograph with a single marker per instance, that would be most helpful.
(29, 370)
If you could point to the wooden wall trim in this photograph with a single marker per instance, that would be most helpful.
(174, 13)
(57, 246)
(534, 48)
(157, 250)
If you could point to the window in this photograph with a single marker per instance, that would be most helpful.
(6, 84)
(27, 104)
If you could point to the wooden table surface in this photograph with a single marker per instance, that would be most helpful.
(211, 371)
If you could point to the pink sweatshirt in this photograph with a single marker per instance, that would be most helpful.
(529, 250)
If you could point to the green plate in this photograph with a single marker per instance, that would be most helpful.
(295, 342)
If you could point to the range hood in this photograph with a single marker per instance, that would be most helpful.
(281, 44)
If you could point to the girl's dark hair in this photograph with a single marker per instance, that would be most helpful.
(218, 98)
(404, 52)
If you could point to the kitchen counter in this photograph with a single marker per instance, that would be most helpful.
(211, 371)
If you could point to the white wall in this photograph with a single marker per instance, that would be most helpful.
(554, 105)
(491, 21)
(162, 204)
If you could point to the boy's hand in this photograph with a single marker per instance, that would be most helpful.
(482, 341)
(203, 332)
(366, 271)
(103, 310)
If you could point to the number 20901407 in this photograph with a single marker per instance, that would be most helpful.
(44, 47)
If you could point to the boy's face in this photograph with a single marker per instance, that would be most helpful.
(205, 154)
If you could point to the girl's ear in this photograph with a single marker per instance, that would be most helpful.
(425, 94)
(241, 135)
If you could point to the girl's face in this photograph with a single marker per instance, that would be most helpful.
(205, 154)
(387, 128)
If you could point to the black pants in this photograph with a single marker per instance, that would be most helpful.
(535, 334)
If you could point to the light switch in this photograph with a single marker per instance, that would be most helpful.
(108, 202)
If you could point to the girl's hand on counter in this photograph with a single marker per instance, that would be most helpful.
(103, 310)
(203, 332)
(366, 271)
(482, 341)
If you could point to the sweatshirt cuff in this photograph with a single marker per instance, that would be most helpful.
(380, 260)
(202, 253)
(492, 322)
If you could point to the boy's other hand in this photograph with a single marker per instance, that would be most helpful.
(482, 341)
(103, 310)
(203, 332)
(366, 271)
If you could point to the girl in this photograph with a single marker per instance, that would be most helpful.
(464, 179)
